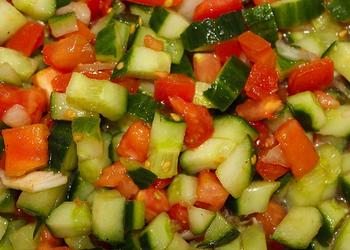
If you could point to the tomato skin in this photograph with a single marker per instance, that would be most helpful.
(224, 50)
(253, 46)
(259, 2)
(153, 43)
(155, 200)
(84, 31)
(135, 142)
(265, 139)
(198, 120)
(49, 242)
(252, 110)
(26, 149)
(206, 67)
(210, 193)
(98, 8)
(326, 100)
(215, 8)
(165, 3)
(162, 183)
(272, 217)
(132, 84)
(298, 150)
(174, 85)
(179, 214)
(111, 176)
(316, 75)
(270, 172)
(262, 82)
(60, 82)
(68, 52)
(127, 187)
(27, 39)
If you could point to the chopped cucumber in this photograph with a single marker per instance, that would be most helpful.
(183, 190)
(37, 9)
(199, 219)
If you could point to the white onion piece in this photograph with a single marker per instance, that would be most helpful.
(16, 116)
(275, 156)
(80, 9)
(93, 67)
(186, 8)
(293, 53)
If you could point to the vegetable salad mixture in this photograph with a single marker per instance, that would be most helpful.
(174, 124)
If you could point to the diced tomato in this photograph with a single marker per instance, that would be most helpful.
(298, 150)
(132, 84)
(252, 110)
(135, 142)
(43, 79)
(84, 31)
(162, 183)
(215, 8)
(272, 217)
(210, 193)
(153, 43)
(111, 176)
(127, 187)
(274, 245)
(155, 200)
(198, 120)
(27, 39)
(253, 46)
(174, 85)
(60, 82)
(179, 214)
(326, 100)
(224, 50)
(268, 58)
(262, 82)
(49, 242)
(34, 100)
(97, 75)
(68, 52)
(99, 8)
(270, 172)
(265, 139)
(316, 75)
(206, 67)
(26, 149)
(259, 2)
(165, 3)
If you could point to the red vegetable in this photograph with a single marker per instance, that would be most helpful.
(254, 46)
(198, 120)
(99, 8)
(179, 214)
(165, 3)
(27, 39)
(224, 50)
(316, 75)
(206, 67)
(215, 8)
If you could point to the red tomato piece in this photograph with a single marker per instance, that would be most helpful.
(132, 84)
(111, 176)
(26, 149)
(265, 139)
(84, 31)
(316, 75)
(165, 3)
(268, 58)
(206, 67)
(99, 8)
(270, 172)
(179, 214)
(210, 193)
(135, 142)
(27, 39)
(272, 217)
(253, 46)
(198, 120)
(155, 200)
(224, 50)
(60, 82)
(127, 187)
(326, 100)
(252, 110)
(174, 85)
(162, 183)
(215, 8)
(68, 52)
(262, 82)
(298, 150)
(153, 43)
(259, 2)
(49, 242)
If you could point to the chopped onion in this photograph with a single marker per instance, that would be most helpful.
(186, 8)
(293, 53)
(35, 181)
(16, 116)
(275, 156)
(94, 67)
(80, 9)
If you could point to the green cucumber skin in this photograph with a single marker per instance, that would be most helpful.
(291, 13)
(159, 14)
(229, 83)
(142, 106)
(105, 42)
(339, 9)
(184, 67)
(261, 21)
(211, 31)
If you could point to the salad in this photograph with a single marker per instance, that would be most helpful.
(174, 124)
